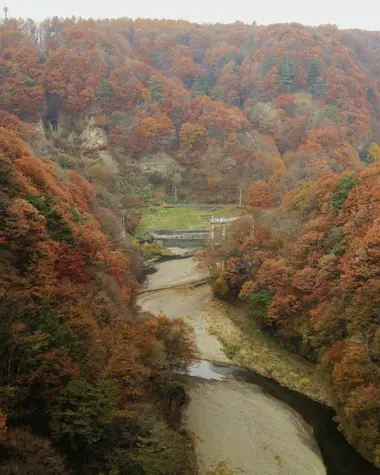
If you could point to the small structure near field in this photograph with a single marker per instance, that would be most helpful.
(195, 238)
(220, 233)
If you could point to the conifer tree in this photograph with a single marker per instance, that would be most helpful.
(314, 72)
(285, 74)
(156, 89)
(200, 87)
(319, 88)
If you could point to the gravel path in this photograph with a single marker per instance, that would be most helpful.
(233, 421)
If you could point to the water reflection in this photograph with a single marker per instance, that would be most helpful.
(205, 370)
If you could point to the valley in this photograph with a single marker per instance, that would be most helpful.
(111, 129)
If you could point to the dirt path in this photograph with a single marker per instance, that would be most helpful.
(233, 421)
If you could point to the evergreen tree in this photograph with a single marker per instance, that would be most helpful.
(56, 226)
(319, 88)
(105, 94)
(365, 156)
(105, 90)
(314, 72)
(285, 74)
(156, 89)
(343, 189)
(332, 113)
(200, 87)
(269, 62)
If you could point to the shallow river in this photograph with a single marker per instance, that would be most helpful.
(254, 424)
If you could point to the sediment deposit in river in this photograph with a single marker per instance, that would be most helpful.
(232, 420)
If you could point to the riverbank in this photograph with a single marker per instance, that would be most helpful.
(232, 420)
(225, 333)
(246, 344)
(241, 417)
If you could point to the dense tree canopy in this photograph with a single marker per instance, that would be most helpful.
(314, 283)
(77, 366)
(186, 89)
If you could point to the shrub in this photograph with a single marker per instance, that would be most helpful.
(220, 287)
(175, 392)
(28, 454)
(260, 303)
(167, 452)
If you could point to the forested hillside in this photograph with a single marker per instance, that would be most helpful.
(84, 386)
(98, 118)
(230, 103)
(310, 275)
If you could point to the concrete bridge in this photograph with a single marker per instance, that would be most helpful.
(222, 220)
(184, 239)
(194, 238)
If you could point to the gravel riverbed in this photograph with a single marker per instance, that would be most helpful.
(232, 421)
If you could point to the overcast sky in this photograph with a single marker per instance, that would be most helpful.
(362, 14)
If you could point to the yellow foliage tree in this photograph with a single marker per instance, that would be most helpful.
(374, 153)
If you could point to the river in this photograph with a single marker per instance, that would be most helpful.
(255, 425)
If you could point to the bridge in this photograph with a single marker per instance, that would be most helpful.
(194, 238)
(184, 239)
(222, 220)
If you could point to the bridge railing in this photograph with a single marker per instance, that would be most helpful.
(196, 234)
(222, 220)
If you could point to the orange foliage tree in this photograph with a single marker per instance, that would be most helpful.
(259, 195)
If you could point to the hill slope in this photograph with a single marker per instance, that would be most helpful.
(231, 103)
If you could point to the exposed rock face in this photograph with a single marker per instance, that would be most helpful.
(88, 142)
(93, 138)
(109, 161)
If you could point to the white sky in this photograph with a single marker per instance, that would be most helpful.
(363, 14)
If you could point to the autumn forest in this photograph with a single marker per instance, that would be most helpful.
(281, 120)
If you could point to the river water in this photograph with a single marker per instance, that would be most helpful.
(339, 457)
(249, 421)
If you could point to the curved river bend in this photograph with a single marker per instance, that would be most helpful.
(253, 423)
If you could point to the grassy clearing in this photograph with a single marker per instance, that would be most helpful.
(182, 218)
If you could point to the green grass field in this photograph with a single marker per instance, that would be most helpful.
(182, 218)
